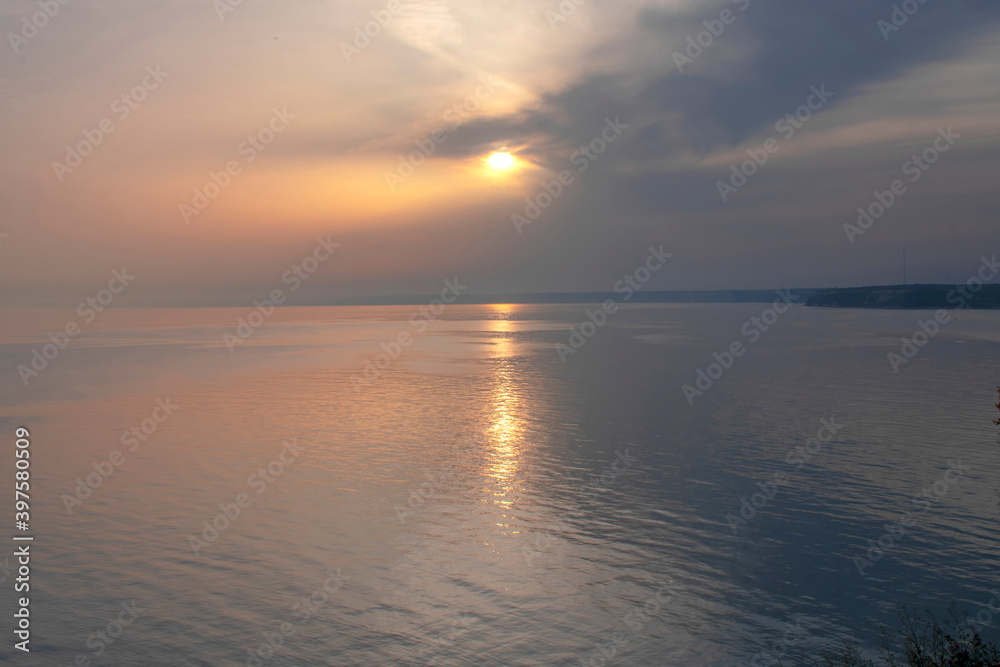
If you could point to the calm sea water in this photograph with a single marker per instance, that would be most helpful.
(480, 502)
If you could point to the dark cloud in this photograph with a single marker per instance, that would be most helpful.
(775, 51)
(787, 228)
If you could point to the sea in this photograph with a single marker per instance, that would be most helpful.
(516, 485)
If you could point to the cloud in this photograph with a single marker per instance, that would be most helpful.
(609, 59)
(760, 68)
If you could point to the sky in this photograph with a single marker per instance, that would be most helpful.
(120, 117)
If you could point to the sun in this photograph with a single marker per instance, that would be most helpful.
(500, 160)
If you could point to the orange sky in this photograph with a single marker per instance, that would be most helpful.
(182, 87)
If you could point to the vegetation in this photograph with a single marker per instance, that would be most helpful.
(921, 643)
(997, 422)
(925, 643)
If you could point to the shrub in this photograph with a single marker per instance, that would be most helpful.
(923, 643)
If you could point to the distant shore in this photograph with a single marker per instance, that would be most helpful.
(926, 297)
(888, 297)
(879, 296)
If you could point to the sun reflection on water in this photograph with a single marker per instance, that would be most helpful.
(505, 429)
